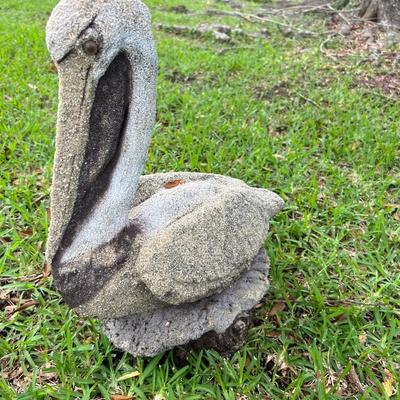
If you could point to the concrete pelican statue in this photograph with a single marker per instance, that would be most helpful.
(162, 260)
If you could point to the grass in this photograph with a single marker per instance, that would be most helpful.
(276, 113)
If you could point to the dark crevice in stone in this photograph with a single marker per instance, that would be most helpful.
(79, 280)
(108, 121)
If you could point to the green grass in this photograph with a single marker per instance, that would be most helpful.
(278, 115)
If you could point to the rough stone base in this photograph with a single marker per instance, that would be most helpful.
(219, 321)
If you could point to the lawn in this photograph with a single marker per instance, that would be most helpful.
(281, 112)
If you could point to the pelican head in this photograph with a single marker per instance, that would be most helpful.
(107, 66)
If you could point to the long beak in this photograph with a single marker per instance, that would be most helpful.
(91, 119)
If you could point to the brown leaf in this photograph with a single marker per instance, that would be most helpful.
(278, 307)
(31, 278)
(388, 383)
(172, 184)
(390, 205)
(47, 377)
(16, 373)
(273, 334)
(52, 68)
(10, 310)
(26, 232)
(46, 270)
(339, 318)
(120, 397)
(354, 380)
(362, 339)
(4, 295)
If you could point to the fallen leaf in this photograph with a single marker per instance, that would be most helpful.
(362, 339)
(392, 205)
(273, 334)
(4, 295)
(120, 397)
(339, 318)
(52, 68)
(128, 376)
(31, 278)
(172, 184)
(354, 380)
(46, 270)
(10, 310)
(26, 232)
(16, 373)
(46, 376)
(279, 306)
(388, 383)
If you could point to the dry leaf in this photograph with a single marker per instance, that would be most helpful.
(339, 318)
(273, 334)
(4, 295)
(279, 306)
(392, 205)
(46, 270)
(128, 376)
(354, 380)
(120, 397)
(362, 339)
(172, 184)
(52, 68)
(26, 232)
(31, 278)
(388, 383)
(10, 310)
(47, 377)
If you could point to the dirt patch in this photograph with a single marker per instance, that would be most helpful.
(362, 38)
(281, 89)
(387, 84)
(178, 77)
(179, 9)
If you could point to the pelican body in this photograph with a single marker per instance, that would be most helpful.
(161, 259)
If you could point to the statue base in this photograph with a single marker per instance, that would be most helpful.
(218, 322)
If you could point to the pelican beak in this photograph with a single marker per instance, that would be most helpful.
(91, 118)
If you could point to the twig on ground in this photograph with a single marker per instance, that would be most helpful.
(261, 20)
(307, 99)
(337, 12)
(234, 48)
(220, 32)
(324, 43)
(23, 306)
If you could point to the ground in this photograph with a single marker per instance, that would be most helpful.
(314, 118)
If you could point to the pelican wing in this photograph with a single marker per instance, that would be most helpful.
(199, 235)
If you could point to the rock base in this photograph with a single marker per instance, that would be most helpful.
(219, 322)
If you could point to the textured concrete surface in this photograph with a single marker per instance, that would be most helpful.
(195, 239)
(163, 258)
(150, 333)
(117, 27)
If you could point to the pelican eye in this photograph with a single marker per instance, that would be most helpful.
(90, 47)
